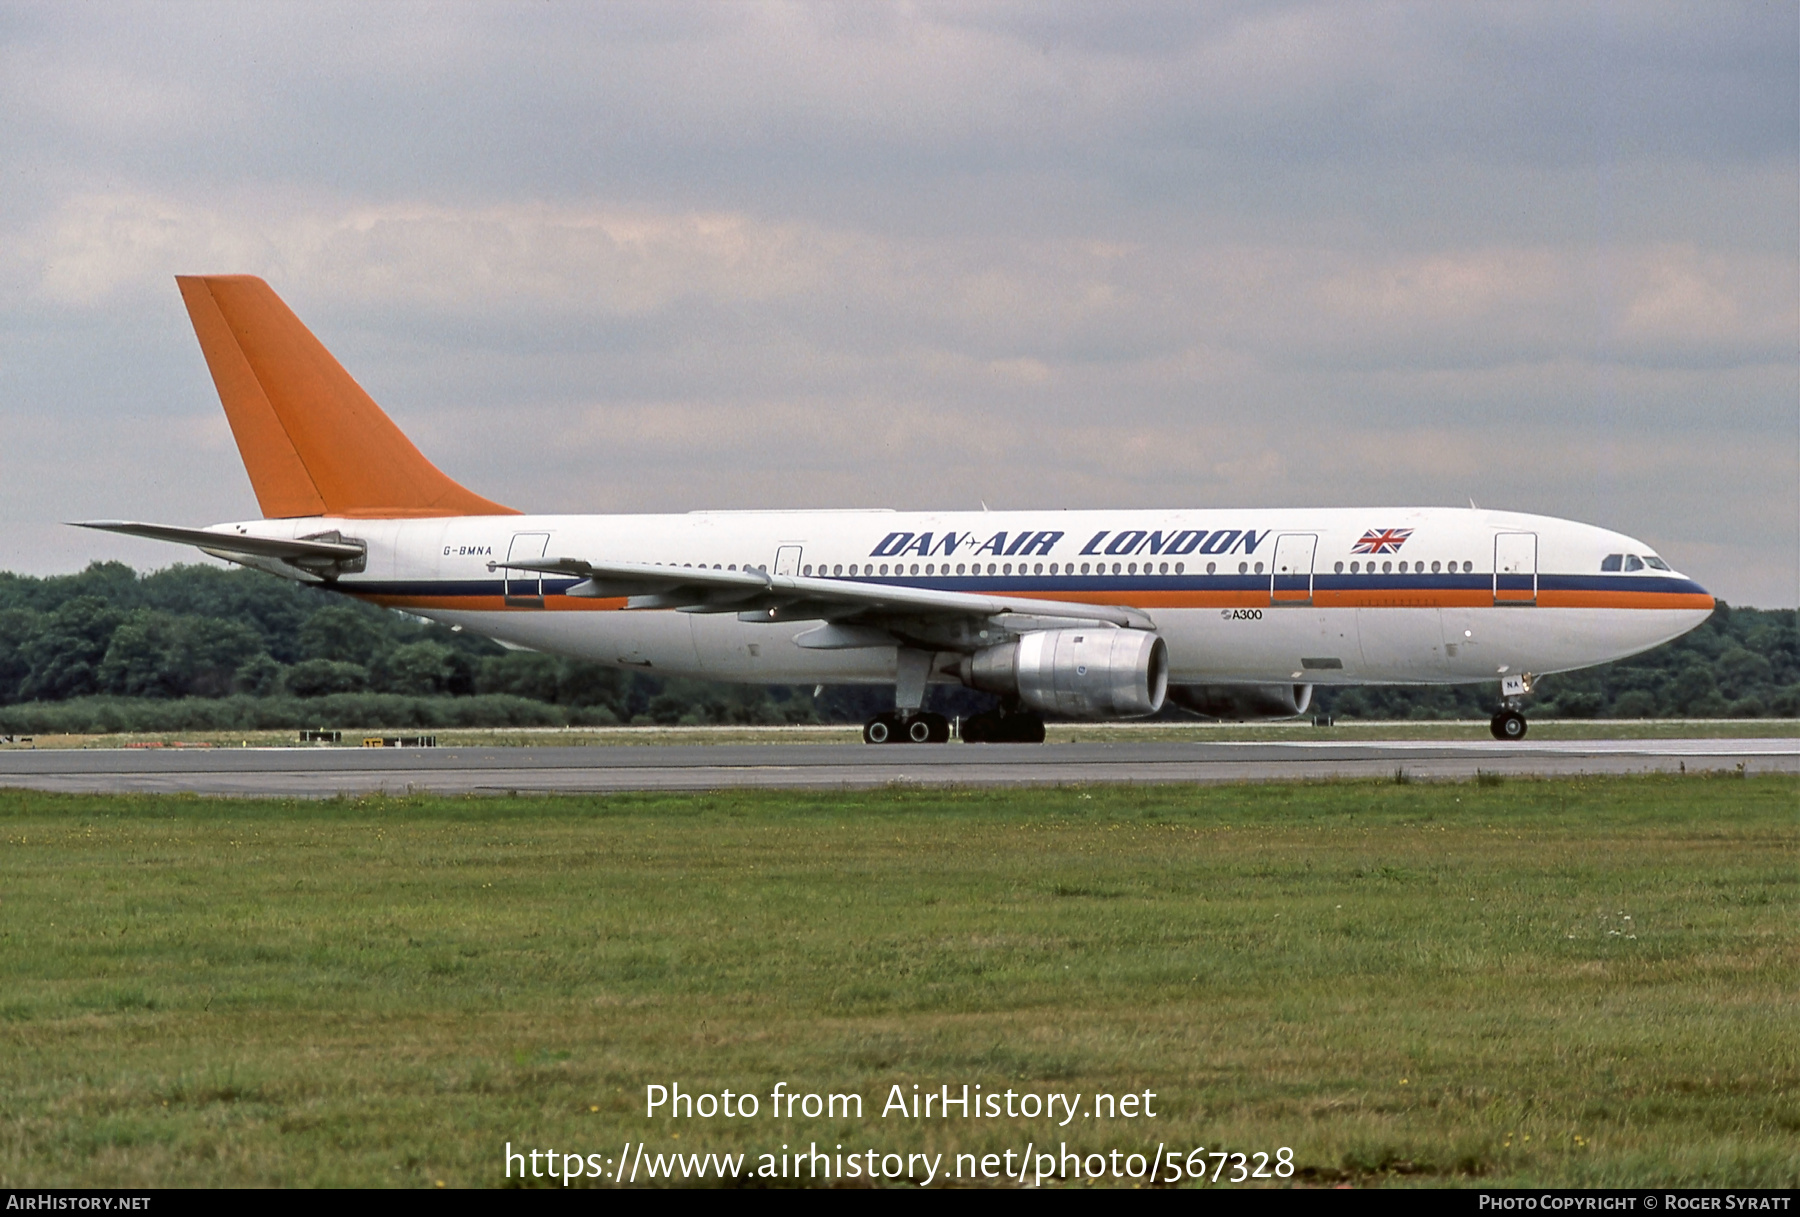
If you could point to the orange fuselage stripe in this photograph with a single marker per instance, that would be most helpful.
(1665, 601)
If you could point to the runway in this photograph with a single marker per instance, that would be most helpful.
(322, 772)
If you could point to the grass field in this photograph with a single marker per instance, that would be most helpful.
(1059, 733)
(1577, 982)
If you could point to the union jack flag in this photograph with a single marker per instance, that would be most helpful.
(1382, 541)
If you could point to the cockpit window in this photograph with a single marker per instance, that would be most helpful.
(1612, 562)
(1633, 562)
(1655, 563)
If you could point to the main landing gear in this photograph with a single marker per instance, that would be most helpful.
(992, 727)
(896, 727)
(907, 723)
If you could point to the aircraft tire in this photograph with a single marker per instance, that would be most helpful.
(984, 728)
(996, 728)
(919, 731)
(940, 728)
(1508, 726)
(878, 730)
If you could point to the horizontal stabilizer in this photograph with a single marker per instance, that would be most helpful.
(233, 543)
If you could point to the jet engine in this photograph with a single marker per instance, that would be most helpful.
(1085, 673)
(1243, 703)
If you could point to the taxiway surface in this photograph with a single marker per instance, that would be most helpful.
(322, 772)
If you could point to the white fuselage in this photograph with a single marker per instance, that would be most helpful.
(1327, 596)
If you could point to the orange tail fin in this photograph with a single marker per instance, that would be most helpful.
(312, 441)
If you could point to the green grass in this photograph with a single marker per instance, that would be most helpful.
(1577, 982)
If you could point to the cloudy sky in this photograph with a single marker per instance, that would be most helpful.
(653, 257)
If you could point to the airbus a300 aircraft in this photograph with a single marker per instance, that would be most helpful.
(1073, 614)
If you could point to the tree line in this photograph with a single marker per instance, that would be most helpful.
(201, 646)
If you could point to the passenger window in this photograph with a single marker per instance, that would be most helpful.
(1403, 568)
(806, 570)
(1633, 562)
(1387, 568)
(1259, 568)
(1084, 568)
(1243, 568)
(1116, 567)
(1212, 567)
(1612, 562)
(884, 567)
(838, 569)
(1340, 569)
(990, 568)
(1468, 567)
(1164, 569)
(1180, 567)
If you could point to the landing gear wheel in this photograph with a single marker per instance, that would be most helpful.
(1508, 725)
(993, 727)
(893, 728)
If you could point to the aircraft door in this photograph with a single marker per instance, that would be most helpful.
(1290, 582)
(787, 560)
(1515, 568)
(525, 588)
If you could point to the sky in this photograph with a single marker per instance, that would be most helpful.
(655, 257)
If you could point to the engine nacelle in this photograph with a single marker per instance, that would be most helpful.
(1243, 703)
(1086, 673)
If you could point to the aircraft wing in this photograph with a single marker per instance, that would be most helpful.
(756, 596)
(227, 543)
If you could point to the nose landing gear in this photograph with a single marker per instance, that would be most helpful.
(1508, 723)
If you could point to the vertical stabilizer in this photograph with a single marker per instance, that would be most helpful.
(312, 441)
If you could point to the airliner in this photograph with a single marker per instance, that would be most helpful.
(1094, 615)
